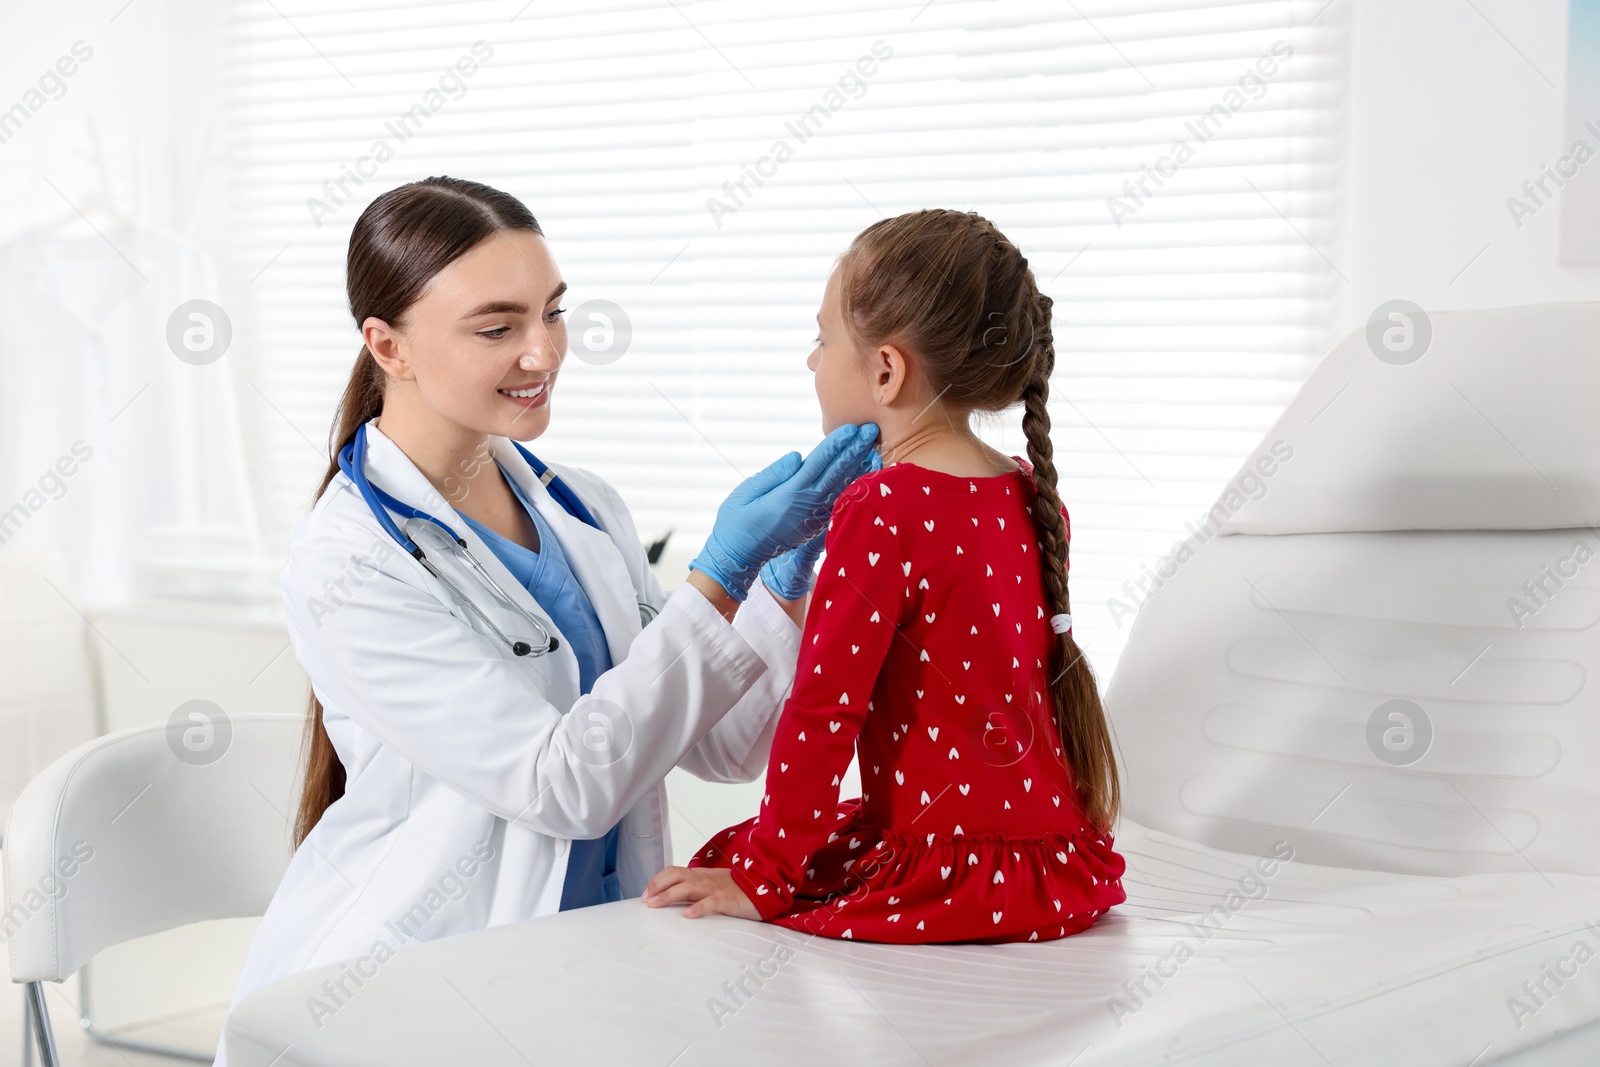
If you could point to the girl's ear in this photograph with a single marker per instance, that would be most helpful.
(889, 372)
(384, 344)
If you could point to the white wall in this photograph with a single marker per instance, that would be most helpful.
(1446, 121)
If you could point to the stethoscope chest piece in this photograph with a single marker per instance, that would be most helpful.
(430, 532)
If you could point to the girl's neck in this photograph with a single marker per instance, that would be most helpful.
(939, 442)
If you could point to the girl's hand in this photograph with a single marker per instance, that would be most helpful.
(710, 891)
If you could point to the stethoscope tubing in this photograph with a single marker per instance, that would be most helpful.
(352, 460)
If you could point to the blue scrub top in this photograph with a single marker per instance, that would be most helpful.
(592, 867)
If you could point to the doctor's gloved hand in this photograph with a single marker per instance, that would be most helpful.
(789, 576)
(782, 507)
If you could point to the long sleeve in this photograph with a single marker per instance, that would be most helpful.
(850, 624)
(737, 747)
(396, 660)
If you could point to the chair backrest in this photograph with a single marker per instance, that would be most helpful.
(47, 705)
(145, 830)
(1381, 644)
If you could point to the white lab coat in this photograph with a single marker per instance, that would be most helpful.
(468, 768)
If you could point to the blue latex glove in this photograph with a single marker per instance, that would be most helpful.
(785, 505)
(789, 575)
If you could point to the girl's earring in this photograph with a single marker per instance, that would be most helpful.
(880, 398)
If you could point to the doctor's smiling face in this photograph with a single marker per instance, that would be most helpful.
(478, 351)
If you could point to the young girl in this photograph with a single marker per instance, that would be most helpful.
(937, 642)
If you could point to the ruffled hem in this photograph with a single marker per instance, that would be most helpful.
(874, 884)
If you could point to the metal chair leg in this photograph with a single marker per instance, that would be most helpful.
(39, 1013)
(27, 1030)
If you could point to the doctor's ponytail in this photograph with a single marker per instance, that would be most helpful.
(404, 237)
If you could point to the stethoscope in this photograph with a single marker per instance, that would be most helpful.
(353, 461)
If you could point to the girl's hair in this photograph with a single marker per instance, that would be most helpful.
(951, 288)
(404, 237)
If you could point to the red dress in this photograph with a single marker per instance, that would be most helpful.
(926, 650)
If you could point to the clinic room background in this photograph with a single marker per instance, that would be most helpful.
(1216, 195)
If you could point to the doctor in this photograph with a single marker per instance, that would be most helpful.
(492, 719)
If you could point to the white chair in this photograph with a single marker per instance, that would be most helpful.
(143, 831)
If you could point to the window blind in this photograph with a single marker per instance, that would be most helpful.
(1170, 168)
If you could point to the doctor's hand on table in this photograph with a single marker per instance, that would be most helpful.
(780, 514)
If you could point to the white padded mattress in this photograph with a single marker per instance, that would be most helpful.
(1305, 965)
